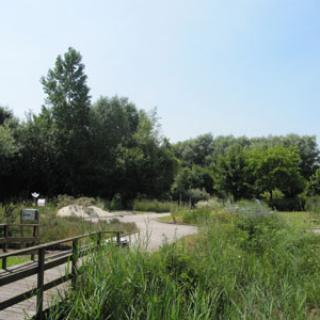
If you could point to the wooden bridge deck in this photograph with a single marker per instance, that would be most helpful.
(27, 308)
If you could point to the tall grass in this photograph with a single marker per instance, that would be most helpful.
(243, 267)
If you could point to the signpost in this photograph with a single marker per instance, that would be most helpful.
(29, 216)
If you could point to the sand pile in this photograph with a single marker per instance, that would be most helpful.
(91, 212)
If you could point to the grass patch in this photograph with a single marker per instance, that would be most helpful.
(12, 261)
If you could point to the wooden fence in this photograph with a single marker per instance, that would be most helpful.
(18, 233)
(44, 263)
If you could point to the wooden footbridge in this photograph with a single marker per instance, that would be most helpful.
(29, 289)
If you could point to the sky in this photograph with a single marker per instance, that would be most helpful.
(241, 67)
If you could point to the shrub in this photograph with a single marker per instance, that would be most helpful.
(212, 203)
(313, 204)
(116, 202)
(255, 207)
(288, 204)
(196, 195)
(148, 205)
(261, 231)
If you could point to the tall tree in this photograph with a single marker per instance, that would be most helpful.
(68, 99)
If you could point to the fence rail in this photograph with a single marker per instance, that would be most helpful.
(44, 263)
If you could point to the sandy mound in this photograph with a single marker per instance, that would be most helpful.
(91, 212)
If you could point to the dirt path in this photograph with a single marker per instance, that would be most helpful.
(154, 233)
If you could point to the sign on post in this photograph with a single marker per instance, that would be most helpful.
(29, 216)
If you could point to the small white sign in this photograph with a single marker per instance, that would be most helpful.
(41, 202)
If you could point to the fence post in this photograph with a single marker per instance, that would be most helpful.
(5, 246)
(118, 239)
(40, 283)
(99, 236)
(74, 261)
(34, 235)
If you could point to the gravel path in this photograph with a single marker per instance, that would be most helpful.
(154, 233)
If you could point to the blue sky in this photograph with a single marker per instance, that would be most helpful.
(242, 67)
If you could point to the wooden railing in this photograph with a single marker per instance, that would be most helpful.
(18, 233)
(42, 264)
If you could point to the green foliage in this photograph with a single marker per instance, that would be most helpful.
(111, 147)
(276, 168)
(261, 231)
(192, 185)
(247, 267)
(196, 216)
(313, 185)
(5, 115)
(9, 213)
(116, 202)
(8, 147)
(235, 175)
(313, 204)
(195, 151)
(196, 195)
(69, 101)
(152, 205)
(231, 174)
(73, 147)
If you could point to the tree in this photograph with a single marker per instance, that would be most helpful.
(231, 174)
(313, 185)
(192, 183)
(150, 165)
(39, 165)
(69, 102)
(9, 151)
(5, 114)
(195, 151)
(276, 168)
(114, 122)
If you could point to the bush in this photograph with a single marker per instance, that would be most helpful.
(261, 231)
(313, 204)
(196, 195)
(288, 204)
(9, 213)
(254, 207)
(148, 205)
(212, 203)
(116, 202)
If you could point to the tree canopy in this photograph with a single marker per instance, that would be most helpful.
(111, 148)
